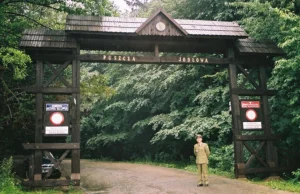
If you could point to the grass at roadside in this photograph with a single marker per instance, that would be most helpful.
(285, 185)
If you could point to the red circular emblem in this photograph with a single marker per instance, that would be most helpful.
(251, 115)
(57, 118)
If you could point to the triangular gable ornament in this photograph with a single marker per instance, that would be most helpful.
(161, 24)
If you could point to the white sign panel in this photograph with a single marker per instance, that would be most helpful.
(57, 107)
(252, 125)
(61, 130)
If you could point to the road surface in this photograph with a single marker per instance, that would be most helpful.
(124, 178)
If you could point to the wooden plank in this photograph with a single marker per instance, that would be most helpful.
(194, 60)
(52, 90)
(256, 137)
(75, 138)
(247, 75)
(156, 50)
(254, 154)
(270, 153)
(161, 12)
(152, 59)
(51, 183)
(58, 73)
(258, 92)
(51, 146)
(235, 106)
(31, 167)
(57, 164)
(37, 168)
(118, 59)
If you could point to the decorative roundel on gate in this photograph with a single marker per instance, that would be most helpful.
(160, 26)
(57, 118)
(251, 115)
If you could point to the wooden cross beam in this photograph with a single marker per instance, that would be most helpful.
(58, 73)
(57, 164)
(242, 85)
(254, 154)
(247, 75)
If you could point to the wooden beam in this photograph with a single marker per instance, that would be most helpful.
(57, 164)
(37, 168)
(51, 183)
(51, 146)
(256, 137)
(258, 92)
(156, 50)
(75, 113)
(57, 73)
(235, 105)
(194, 60)
(118, 59)
(254, 154)
(247, 75)
(153, 59)
(51, 90)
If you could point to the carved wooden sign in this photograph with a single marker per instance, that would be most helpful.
(152, 59)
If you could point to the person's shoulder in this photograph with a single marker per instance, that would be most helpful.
(195, 145)
(205, 144)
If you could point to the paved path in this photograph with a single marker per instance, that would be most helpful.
(124, 178)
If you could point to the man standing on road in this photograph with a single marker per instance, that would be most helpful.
(201, 151)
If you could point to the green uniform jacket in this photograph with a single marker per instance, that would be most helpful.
(202, 153)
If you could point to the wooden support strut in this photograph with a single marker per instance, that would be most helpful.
(75, 114)
(37, 168)
(57, 164)
(238, 146)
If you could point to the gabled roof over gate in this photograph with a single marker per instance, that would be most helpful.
(161, 24)
(142, 34)
(133, 26)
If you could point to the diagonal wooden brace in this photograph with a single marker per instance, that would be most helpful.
(254, 154)
(57, 164)
(58, 73)
(247, 75)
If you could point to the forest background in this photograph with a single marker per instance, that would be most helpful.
(152, 112)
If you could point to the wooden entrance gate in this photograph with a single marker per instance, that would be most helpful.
(156, 35)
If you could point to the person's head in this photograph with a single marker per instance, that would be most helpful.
(199, 138)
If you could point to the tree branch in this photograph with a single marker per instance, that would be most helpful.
(33, 20)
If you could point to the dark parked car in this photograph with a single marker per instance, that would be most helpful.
(47, 164)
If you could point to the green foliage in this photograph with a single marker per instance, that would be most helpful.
(222, 158)
(17, 59)
(7, 182)
(167, 113)
(282, 25)
(296, 173)
(16, 107)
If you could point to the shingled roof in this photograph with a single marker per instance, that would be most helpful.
(45, 38)
(109, 32)
(97, 24)
(252, 46)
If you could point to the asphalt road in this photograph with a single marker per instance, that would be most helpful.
(124, 178)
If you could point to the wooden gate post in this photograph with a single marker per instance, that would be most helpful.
(75, 166)
(37, 168)
(239, 164)
(270, 149)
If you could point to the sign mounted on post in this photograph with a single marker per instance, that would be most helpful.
(57, 119)
(251, 114)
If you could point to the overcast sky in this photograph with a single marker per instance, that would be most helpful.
(121, 5)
